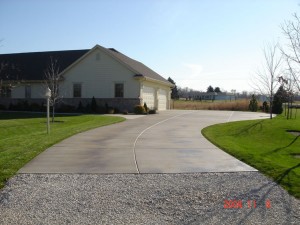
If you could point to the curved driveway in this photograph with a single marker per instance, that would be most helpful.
(168, 142)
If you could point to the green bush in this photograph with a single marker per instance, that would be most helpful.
(277, 101)
(2, 107)
(94, 106)
(152, 111)
(253, 105)
(64, 108)
(265, 106)
(35, 107)
(139, 109)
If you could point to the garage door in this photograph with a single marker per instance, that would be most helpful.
(148, 96)
(162, 100)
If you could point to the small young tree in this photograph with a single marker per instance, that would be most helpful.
(53, 77)
(266, 79)
(253, 105)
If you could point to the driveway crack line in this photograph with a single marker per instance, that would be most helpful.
(148, 128)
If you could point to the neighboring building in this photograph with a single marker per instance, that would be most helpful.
(215, 96)
(104, 73)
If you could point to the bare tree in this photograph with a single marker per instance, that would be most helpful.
(291, 30)
(266, 80)
(53, 77)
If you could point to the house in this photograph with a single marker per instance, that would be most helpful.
(111, 77)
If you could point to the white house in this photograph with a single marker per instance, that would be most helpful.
(104, 73)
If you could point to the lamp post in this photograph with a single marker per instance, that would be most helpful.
(48, 95)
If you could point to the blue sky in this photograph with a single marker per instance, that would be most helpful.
(196, 42)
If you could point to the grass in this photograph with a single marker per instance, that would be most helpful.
(238, 105)
(24, 136)
(264, 144)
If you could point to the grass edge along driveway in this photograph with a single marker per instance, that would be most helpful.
(265, 145)
(24, 135)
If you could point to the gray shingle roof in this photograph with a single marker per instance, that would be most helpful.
(139, 67)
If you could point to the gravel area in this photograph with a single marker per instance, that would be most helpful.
(146, 199)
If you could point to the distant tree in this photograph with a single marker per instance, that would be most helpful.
(210, 89)
(253, 105)
(53, 77)
(217, 89)
(174, 94)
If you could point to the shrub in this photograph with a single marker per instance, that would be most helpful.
(111, 110)
(146, 107)
(64, 108)
(2, 107)
(265, 107)
(94, 106)
(35, 107)
(139, 109)
(152, 111)
(80, 107)
(253, 105)
(277, 101)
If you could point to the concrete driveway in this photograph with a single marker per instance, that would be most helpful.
(168, 142)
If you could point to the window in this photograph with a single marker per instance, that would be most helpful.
(27, 91)
(77, 90)
(119, 90)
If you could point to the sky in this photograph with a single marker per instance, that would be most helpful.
(195, 42)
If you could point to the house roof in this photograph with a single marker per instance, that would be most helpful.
(32, 66)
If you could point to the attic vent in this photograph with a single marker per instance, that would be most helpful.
(98, 56)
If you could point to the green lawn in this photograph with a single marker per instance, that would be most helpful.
(24, 135)
(265, 145)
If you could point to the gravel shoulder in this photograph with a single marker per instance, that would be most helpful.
(145, 199)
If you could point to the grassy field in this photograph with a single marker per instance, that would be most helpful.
(265, 145)
(24, 135)
(238, 105)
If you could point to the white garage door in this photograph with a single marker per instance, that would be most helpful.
(148, 96)
(162, 100)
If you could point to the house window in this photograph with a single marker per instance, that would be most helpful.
(27, 91)
(119, 90)
(77, 90)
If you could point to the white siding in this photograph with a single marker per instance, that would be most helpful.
(37, 91)
(162, 100)
(149, 96)
(98, 73)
